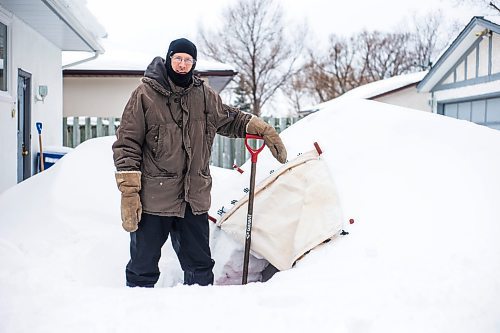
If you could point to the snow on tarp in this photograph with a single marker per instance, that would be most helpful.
(284, 230)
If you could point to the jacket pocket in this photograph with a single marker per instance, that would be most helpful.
(161, 194)
(152, 139)
(169, 141)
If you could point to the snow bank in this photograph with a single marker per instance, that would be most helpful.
(422, 256)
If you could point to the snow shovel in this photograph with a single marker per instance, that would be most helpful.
(39, 129)
(248, 237)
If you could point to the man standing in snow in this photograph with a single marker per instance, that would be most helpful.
(162, 155)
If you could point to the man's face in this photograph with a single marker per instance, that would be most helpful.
(182, 62)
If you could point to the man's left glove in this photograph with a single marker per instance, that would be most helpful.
(129, 183)
(272, 139)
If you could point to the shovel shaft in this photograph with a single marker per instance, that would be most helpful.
(248, 230)
(42, 166)
(39, 130)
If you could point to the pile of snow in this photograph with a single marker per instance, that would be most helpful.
(374, 89)
(422, 256)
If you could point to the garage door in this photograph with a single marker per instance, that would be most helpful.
(484, 111)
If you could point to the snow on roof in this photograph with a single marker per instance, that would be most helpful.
(116, 59)
(493, 19)
(376, 88)
(80, 11)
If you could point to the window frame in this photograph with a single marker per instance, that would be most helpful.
(6, 19)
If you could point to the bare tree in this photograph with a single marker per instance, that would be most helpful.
(252, 38)
(431, 34)
(371, 56)
(488, 6)
(385, 54)
(295, 89)
(363, 58)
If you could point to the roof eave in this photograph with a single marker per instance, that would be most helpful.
(449, 58)
(139, 73)
(74, 24)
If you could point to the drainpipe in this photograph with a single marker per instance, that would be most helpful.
(96, 54)
(60, 9)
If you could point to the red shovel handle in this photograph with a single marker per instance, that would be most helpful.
(254, 152)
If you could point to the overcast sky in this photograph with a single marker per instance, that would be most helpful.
(147, 26)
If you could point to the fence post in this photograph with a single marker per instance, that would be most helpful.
(99, 128)
(88, 129)
(111, 126)
(239, 151)
(65, 132)
(76, 131)
(282, 124)
(228, 156)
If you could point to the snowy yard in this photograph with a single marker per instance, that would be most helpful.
(422, 256)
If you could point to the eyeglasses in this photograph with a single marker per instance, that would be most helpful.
(178, 60)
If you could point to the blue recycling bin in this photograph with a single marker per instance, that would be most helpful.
(49, 159)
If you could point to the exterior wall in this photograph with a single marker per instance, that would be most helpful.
(483, 57)
(475, 77)
(32, 53)
(408, 97)
(468, 92)
(495, 54)
(97, 96)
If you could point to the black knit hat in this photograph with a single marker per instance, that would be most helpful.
(182, 45)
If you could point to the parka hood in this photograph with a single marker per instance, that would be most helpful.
(158, 72)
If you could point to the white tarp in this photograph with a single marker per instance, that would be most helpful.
(284, 230)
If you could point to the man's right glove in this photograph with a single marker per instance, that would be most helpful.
(271, 137)
(129, 183)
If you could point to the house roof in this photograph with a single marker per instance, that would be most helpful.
(66, 23)
(478, 27)
(116, 59)
(375, 89)
(130, 63)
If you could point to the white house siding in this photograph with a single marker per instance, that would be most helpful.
(407, 97)
(495, 54)
(97, 96)
(34, 54)
(483, 57)
(467, 92)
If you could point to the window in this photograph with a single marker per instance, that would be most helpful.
(482, 111)
(3, 57)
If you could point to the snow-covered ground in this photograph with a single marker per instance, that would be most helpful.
(422, 256)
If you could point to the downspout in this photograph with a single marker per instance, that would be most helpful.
(52, 4)
(96, 54)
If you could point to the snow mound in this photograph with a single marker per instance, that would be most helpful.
(422, 256)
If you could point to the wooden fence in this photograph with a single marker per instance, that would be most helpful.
(78, 129)
(225, 151)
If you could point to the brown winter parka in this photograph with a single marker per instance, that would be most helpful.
(166, 132)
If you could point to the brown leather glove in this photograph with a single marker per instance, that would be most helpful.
(273, 141)
(129, 183)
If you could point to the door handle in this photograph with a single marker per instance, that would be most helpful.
(24, 152)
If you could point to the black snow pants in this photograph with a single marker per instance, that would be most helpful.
(190, 240)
